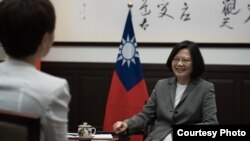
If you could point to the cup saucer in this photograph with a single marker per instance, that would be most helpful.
(86, 137)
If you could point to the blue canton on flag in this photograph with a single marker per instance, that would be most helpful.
(128, 66)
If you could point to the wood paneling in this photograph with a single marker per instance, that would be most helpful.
(90, 82)
(245, 113)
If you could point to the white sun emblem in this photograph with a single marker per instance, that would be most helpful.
(127, 51)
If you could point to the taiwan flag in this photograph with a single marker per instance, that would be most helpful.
(128, 91)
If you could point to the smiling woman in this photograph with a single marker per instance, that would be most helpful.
(182, 66)
(192, 67)
(184, 98)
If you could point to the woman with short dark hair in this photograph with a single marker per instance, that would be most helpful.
(27, 33)
(184, 98)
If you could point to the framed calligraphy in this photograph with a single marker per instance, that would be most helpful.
(155, 21)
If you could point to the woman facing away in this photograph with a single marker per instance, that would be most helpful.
(27, 33)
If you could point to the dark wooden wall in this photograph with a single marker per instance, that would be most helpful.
(90, 83)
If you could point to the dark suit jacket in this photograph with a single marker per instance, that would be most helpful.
(197, 106)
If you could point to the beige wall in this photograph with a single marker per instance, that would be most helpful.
(152, 55)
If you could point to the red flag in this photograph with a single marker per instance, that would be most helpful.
(38, 64)
(128, 91)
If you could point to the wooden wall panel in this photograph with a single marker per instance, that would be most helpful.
(92, 95)
(245, 113)
(90, 82)
(225, 96)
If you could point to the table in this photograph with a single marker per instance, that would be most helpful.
(116, 137)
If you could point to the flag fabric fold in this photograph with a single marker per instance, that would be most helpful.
(38, 64)
(128, 91)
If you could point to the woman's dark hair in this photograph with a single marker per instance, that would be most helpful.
(197, 59)
(23, 24)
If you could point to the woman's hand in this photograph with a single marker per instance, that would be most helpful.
(120, 127)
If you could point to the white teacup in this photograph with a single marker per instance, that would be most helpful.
(86, 130)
